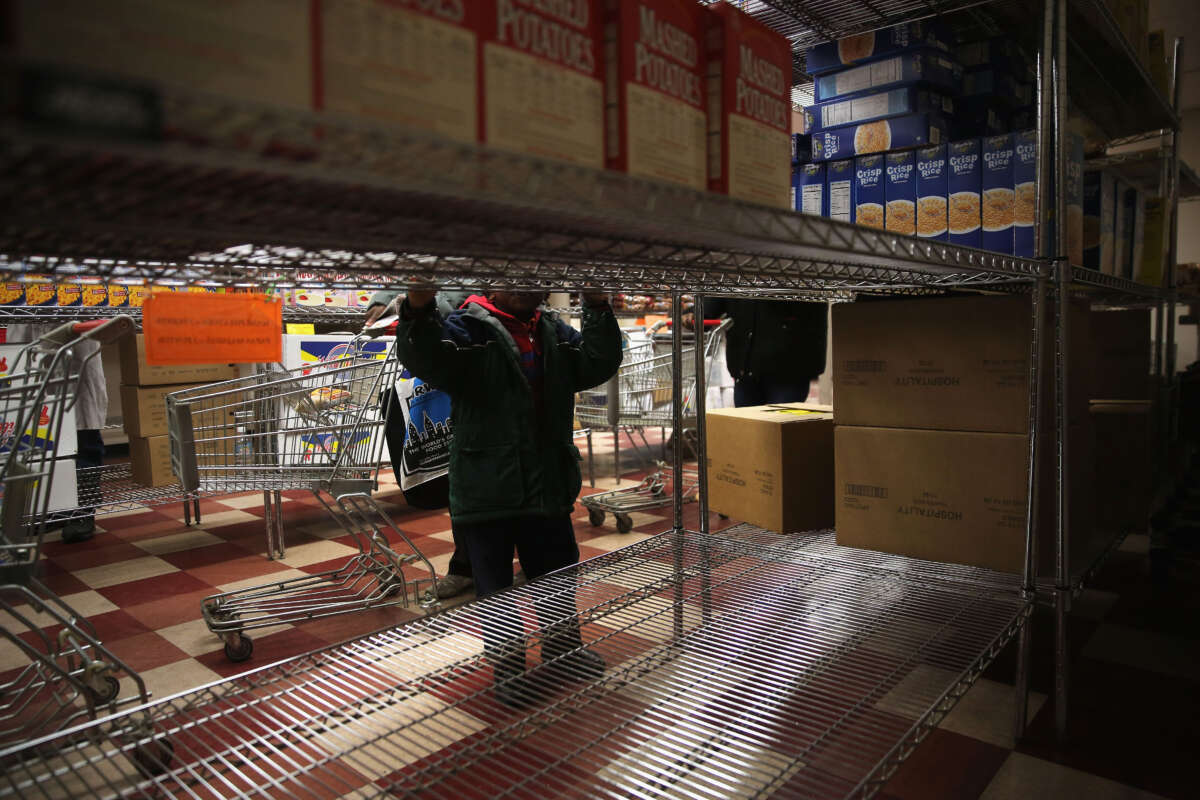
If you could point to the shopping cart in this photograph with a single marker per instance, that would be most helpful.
(639, 396)
(65, 674)
(319, 427)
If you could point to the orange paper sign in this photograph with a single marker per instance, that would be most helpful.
(189, 328)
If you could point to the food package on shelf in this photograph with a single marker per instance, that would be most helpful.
(882, 135)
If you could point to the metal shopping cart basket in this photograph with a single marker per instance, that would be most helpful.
(320, 427)
(65, 674)
(641, 391)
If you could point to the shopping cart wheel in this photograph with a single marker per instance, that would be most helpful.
(596, 517)
(624, 523)
(155, 758)
(111, 688)
(240, 649)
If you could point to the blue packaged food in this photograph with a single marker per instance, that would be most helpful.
(963, 184)
(878, 136)
(1024, 192)
(876, 105)
(869, 191)
(931, 67)
(997, 201)
(811, 196)
(863, 47)
(932, 172)
(839, 191)
(900, 193)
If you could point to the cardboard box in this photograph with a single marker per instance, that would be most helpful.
(655, 91)
(145, 408)
(932, 192)
(877, 105)
(928, 66)
(874, 45)
(964, 184)
(542, 90)
(1024, 193)
(1099, 217)
(900, 193)
(151, 460)
(749, 102)
(1121, 354)
(411, 63)
(772, 466)
(979, 116)
(811, 197)
(911, 130)
(1125, 475)
(957, 363)
(839, 177)
(869, 191)
(995, 85)
(998, 202)
(1000, 52)
(136, 372)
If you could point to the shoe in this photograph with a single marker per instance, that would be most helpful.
(79, 530)
(520, 578)
(578, 665)
(517, 692)
(452, 586)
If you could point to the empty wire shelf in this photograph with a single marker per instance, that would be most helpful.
(739, 664)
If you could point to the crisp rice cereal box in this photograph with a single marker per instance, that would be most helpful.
(655, 91)
(869, 191)
(811, 196)
(542, 88)
(998, 199)
(413, 62)
(932, 171)
(839, 181)
(1024, 193)
(863, 47)
(963, 184)
(749, 108)
(118, 295)
(929, 66)
(900, 193)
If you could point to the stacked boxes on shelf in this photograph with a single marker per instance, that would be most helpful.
(1122, 232)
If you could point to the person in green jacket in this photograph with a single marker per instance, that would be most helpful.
(512, 372)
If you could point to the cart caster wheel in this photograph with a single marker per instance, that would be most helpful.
(239, 650)
(155, 758)
(624, 523)
(112, 687)
(596, 517)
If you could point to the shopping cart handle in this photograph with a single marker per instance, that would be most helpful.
(104, 331)
(666, 323)
(381, 327)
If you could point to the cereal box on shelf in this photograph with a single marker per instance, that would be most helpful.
(39, 291)
(1099, 194)
(1024, 193)
(993, 84)
(810, 190)
(911, 130)
(801, 148)
(977, 117)
(414, 63)
(932, 172)
(12, 293)
(70, 294)
(94, 294)
(138, 295)
(930, 67)
(963, 183)
(542, 79)
(655, 93)
(839, 180)
(749, 108)
(870, 46)
(869, 191)
(900, 193)
(997, 201)
(1000, 52)
(118, 295)
(877, 105)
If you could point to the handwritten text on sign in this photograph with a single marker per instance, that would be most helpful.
(195, 328)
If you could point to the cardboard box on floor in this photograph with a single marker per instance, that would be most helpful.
(1121, 354)
(151, 457)
(136, 372)
(772, 466)
(951, 496)
(956, 363)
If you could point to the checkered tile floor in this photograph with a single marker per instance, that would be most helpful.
(1136, 677)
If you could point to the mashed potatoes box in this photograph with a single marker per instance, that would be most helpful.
(874, 45)
(749, 108)
(898, 133)
(655, 93)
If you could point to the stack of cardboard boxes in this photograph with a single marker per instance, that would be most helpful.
(143, 401)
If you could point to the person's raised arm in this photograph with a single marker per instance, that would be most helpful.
(598, 349)
(426, 348)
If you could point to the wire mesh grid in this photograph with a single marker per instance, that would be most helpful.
(742, 664)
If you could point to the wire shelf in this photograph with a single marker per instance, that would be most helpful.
(1110, 288)
(742, 663)
(110, 489)
(1143, 169)
(13, 315)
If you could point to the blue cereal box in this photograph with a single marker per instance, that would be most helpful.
(1000, 52)
(839, 192)
(864, 47)
(1024, 193)
(869, 191)
(997, 203)
(801, 148)
(993, 84)
(877, 105)
(810, 190)
(963, 184)
(932, 171)
(899, 133)
(900, 193)
(931, 67)
(1099, 195)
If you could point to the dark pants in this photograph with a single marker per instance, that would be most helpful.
(757, 391)
(543, 544)
(89, 453)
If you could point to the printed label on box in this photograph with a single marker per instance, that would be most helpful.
(900, 192)
(1024, 192)
(810, 185)
(931, 190)
(928, 66)
(872, 45)
(869, 191)
(998, 202)
(840, 182)
(964, 182)
(878, 105)
(897, 133)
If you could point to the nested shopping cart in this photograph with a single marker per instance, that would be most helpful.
(638, 397)
(319, 427)
(65, 674)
